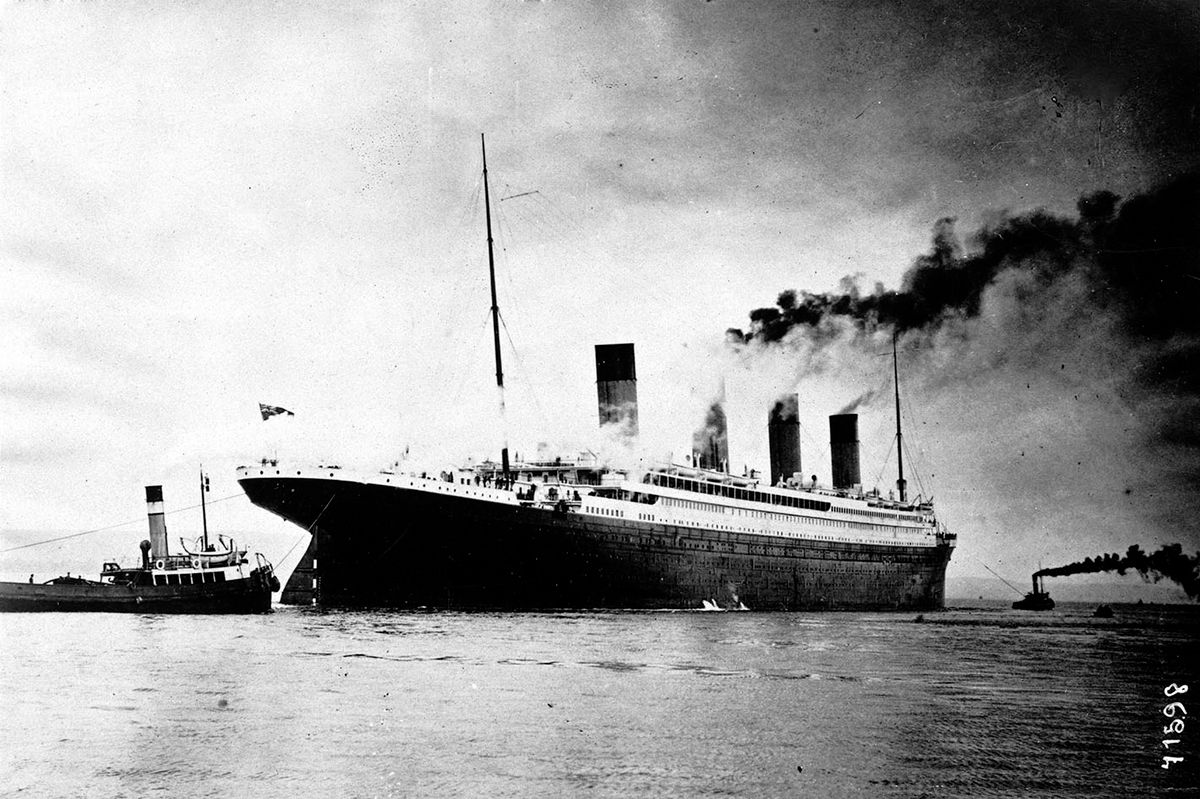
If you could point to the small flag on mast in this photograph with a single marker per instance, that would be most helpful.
(268, 411)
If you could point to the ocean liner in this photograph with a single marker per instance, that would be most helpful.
(572, 533)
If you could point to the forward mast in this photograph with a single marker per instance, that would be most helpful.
(487, 208)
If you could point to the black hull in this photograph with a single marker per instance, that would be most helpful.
(249, 595)
(390, 546)
(1034, 602)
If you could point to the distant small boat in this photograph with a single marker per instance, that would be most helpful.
(209, 580)
(1103, 612)
(1037, 599)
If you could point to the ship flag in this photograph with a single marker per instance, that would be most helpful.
(268, 411)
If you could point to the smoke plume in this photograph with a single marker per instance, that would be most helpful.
(1056, 359)
(1169, 562)
(710, 443)
(861, 400)
(1141, 262)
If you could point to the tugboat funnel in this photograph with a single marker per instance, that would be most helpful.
(158, 522)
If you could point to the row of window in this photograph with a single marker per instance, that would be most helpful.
(704, 506)
(870, 513)
(758, 514)
(733, 492)
(189, 578)
(749, 494)
(781, 517)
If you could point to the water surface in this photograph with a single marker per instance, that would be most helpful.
(971, 702)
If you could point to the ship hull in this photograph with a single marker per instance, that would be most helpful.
(249, 595)
(1034, 602)
(389, 546)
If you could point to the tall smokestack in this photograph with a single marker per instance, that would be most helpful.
(783, 438)
(158, 523)
(711, 442)
(843, 449)
(616, 386)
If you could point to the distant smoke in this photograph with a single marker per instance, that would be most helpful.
(1168, 562)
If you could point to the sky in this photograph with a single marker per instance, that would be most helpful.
(206, 206)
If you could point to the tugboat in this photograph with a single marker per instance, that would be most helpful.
(1037, 599)
(206, 579)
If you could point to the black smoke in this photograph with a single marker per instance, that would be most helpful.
(1169, 562)
(1138, 261)
(1141, 258)
(710, 443)
(1055, 359)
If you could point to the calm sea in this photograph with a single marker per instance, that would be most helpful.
(972, 702)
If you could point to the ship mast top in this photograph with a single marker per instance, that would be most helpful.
(203, 510)
(900, 483)
(495, 309)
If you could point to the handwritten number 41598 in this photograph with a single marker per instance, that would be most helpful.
(1176, 726)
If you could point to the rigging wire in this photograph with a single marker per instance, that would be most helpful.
(503, 240)
(882, 422)
(884, 464)
(115, 526)
(917, 423)
(545, 419)
(820, 447)
(465, 280)
(308, 532)
(882, 425)
(469, 371)
(515, 196)
(306, 536)
(1006, 582)
(916, 472)
(907, 411)
(506, 238)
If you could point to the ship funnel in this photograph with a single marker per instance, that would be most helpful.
(711, 442)
(783, 438)
(616, 387)
(843, 449)
(158, 522)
